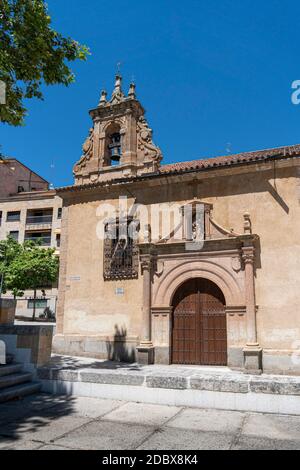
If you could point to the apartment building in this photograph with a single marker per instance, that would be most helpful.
(29, 210)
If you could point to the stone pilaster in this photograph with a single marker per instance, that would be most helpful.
(130, 140)
(145, 351)
(161, 333)
(252, 351)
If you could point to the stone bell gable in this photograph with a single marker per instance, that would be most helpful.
(119, 144)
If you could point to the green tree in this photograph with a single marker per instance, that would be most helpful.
(9, 250)
(34, 268)
(32, 53)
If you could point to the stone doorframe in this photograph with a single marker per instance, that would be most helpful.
(229, 263)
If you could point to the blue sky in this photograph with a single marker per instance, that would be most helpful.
(208, 73)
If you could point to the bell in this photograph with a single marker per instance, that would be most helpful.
(115, 147)
(115, 152)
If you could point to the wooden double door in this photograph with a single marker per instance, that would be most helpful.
(199, 334)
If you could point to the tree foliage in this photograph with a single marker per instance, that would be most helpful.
(9, 250)
(32, 53)
(27, 267)
(34, 268)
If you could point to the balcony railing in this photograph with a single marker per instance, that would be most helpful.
(39, 219)
(45, 241)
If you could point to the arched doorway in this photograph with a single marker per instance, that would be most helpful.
(199, 334)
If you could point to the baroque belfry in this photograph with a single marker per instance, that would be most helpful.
(120, 142)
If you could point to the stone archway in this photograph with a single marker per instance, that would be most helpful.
(220, 273)
(219, 270)
(198, 324)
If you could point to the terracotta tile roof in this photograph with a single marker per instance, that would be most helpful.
(194, 165)
(227, 160)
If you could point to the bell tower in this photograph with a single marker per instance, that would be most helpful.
(119, 144)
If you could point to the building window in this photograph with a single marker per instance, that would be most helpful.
(39, 216)
(58, 240)
(39, 303)
(43, 237)
(121, 250)
(13, 216)
(59, 212)
(14, 234)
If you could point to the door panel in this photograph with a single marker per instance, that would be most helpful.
(199, 333)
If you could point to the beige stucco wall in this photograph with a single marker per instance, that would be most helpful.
(91, 306)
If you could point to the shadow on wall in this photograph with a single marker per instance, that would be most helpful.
(118, 349)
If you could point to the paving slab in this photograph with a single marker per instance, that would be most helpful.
(35, 402)
(106, 435)
(140, 413)
(208, 420)
(262, 443)
(53, 447)
(272, 427)
(42, 428)
(33, 407)
(18, 444)
(41, 401)
(183, 439)
(8, 414)
(91, 407)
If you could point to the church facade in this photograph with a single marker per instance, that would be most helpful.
(187, 263)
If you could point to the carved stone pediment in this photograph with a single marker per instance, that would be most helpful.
(197, 224)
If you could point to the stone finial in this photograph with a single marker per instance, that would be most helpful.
(131, 92)
(117, 94)
(247, 224)
(103, 100)
(118, 84)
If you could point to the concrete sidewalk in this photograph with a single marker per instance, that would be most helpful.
(48, 423)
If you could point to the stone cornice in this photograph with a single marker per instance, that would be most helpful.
(119, 109)
(30, 196)
(158, 179)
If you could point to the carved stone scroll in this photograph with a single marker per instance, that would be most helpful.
(87, 148)
(145, 143)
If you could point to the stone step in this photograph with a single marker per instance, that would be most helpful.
(19, 391)
(9, 358)
(10, 369)
(15, 379)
